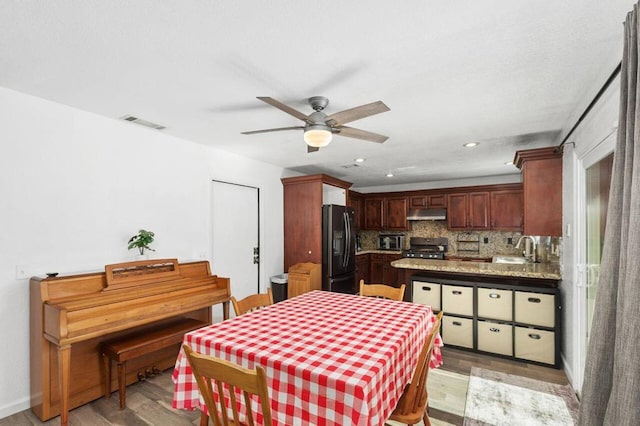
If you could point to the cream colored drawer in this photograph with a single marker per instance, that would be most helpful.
(495, 304)
(535, 308)
(427, 294)
(496, 338)
(535, 345)
(457, 331)
(457, 300)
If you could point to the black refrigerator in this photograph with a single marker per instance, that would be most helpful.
(338, 249)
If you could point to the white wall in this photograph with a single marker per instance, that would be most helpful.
(75, 186)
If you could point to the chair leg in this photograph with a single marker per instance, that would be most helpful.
(425, 418)
(204, 419)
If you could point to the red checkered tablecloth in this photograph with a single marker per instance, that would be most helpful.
(330, 358)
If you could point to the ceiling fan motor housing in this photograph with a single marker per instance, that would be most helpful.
(318, 103)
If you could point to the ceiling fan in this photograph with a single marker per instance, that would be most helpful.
(320, 127)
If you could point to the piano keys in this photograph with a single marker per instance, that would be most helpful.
(71, 315)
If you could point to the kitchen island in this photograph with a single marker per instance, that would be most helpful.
(507, 310)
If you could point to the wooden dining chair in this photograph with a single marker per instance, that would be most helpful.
(252, 302)
(413, 405)
(210, 371)
(382, 290)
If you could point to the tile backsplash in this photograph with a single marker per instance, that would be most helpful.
(472, 244)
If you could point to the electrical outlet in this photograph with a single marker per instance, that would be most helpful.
(486, 240)
(22, 272)
(510, 241)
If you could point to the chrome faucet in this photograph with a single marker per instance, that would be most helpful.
(531, 256)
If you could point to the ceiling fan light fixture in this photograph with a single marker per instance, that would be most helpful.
(317, 136)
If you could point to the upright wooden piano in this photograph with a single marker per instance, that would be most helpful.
(71, 315)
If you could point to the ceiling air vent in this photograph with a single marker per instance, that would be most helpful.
(142, 122)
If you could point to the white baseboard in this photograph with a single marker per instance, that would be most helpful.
(570, 376)
(14, 407)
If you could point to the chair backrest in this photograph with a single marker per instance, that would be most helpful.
(414, 398)
(252, 302)
(210, 371)
(382, 290)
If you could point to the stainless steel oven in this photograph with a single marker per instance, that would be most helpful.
(426, 248)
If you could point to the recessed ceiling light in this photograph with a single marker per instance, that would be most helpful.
(470, 144)
(359, 160)
(389, 174)
(509, 163)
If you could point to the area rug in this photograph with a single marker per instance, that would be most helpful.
(495, 398)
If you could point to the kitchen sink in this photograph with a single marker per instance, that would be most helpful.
(517, 260)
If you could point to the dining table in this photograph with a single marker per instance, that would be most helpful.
(330, 358)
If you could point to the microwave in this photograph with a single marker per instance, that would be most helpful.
(390, 242)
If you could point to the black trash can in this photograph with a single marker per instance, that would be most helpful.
(279, 287)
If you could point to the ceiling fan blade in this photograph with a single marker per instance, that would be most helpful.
(253, 132)
(312, 149)
(282, 107)
(351, 132)
(356, 113)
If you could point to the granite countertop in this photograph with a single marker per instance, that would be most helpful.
(527, 270)
(379, 252)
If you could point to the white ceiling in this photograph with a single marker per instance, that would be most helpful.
(509, 74)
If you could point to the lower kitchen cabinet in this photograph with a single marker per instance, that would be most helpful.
(516, 321)
(362, 269)
(381, 271)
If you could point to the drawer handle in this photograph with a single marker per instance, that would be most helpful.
(494, 296)
(534, 336)
(456, 292)
(425, 288)
(458, 323)
(534, 300)
(494, 330)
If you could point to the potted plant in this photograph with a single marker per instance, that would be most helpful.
(141, 241)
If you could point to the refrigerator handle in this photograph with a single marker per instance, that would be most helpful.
(347, 228)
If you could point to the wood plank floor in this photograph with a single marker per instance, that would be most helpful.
(149, 401)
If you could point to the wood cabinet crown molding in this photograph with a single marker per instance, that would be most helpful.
(535, 154)
(330, 180)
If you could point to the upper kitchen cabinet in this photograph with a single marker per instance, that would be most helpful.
(507, 210)
(303, 200)
(354, 200)
(373, 213)
(438, 201)
(469, 210)
(396, 213)
(542, 186)
(386, 213)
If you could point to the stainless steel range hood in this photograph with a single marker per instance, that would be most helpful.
(427, 214)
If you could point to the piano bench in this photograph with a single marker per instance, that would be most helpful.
(137, 345)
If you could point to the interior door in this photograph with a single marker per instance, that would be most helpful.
(236, 238)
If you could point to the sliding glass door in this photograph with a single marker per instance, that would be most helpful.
(598, 181)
